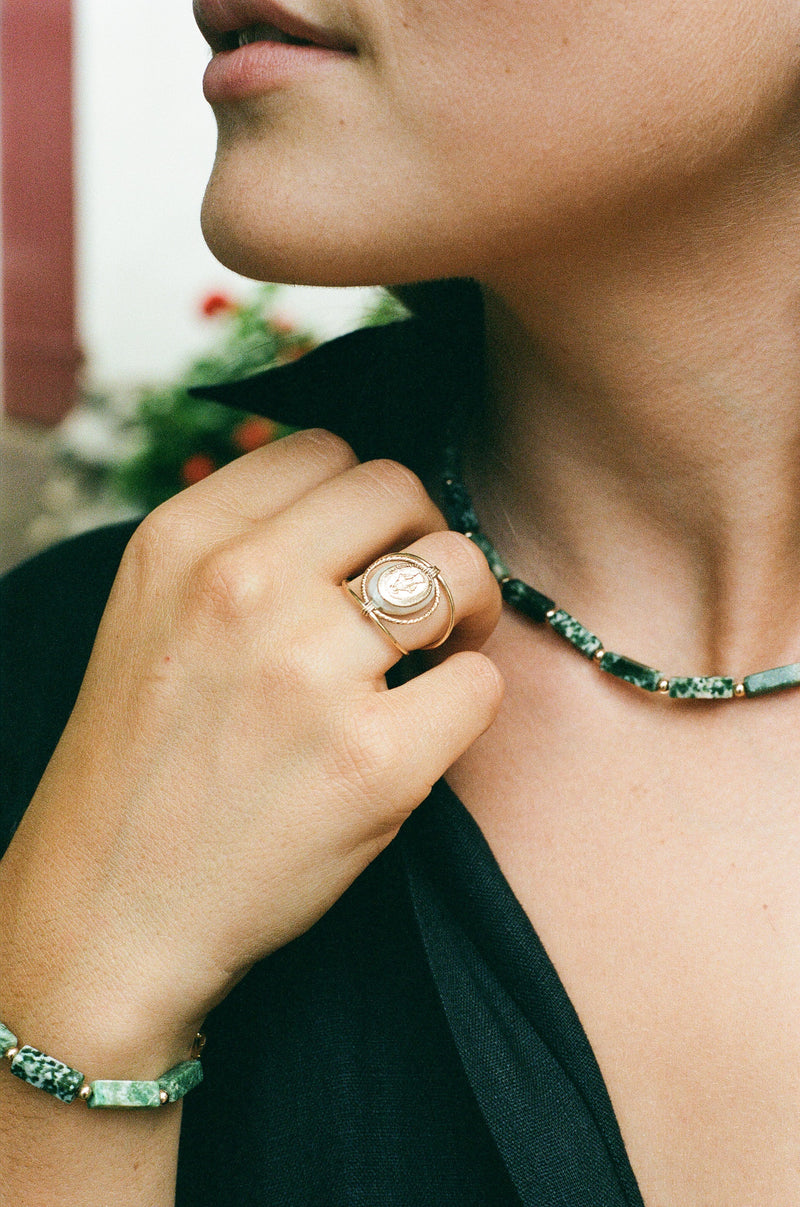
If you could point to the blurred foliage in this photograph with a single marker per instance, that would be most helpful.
(180, 439)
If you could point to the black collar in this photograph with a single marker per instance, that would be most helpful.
(389, 391)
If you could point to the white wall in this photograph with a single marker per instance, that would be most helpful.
(145, 140)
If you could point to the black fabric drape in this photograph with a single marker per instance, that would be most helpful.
(415, 1048)
(524, 1050)
(390, 391)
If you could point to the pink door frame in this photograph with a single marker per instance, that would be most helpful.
(41, 355)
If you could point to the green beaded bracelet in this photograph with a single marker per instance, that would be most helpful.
(66, 1084)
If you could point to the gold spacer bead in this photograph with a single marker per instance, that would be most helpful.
(85, 1093)
(11, 1053)
(663, 686)
(469, 534)
(164, 1097)
(739, 691)
(599, 655)
(549, 615)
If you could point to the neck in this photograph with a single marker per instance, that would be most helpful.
(639, 458)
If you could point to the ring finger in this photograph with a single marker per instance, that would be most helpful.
(437, 591)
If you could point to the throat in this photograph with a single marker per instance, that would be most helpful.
(637, 457)
(707, 683)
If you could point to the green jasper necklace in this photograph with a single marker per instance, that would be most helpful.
(540, 608)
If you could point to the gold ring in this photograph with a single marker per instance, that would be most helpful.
(402, 588)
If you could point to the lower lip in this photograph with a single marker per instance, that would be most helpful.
(259, 67)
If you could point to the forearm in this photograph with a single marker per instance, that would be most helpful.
(54, 996)
(169, 846)
(67, 1154)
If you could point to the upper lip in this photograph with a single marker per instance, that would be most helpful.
(219, 19)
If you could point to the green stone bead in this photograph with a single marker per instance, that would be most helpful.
(46, 1073)
(125, 1094)
(574, 632)
(458, 505)
(7, 1040)
(775, 680)
(182, 1078)
(702, 687)
(527, 600)
(632, 672)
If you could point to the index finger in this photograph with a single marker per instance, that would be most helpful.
(263, 483)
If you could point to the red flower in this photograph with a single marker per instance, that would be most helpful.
(253, 433)
(217, 303)
(197, 467)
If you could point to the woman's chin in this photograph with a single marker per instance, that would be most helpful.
(263, 251)
(304, 248)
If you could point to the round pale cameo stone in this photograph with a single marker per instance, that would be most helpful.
(400, 588)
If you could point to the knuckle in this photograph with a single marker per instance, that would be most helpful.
(226, 585)
(160, 543)
(466, 558)
(331, 450)
(398, 482)
(162, 530)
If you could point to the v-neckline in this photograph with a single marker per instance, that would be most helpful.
(527, 1056)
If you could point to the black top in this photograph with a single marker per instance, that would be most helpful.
(415, 1048)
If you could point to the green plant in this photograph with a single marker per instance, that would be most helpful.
(183, 439)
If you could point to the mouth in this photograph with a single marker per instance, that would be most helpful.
(262, 32)
(228, 25)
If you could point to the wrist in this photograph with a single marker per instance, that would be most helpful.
(45, 1072)
(81, 1037)
(104, 1015)
(76, 980)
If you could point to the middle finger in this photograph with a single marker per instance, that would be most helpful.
(465, 579)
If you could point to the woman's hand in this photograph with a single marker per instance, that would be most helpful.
(234, 759)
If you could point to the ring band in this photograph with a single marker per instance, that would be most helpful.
(372, 616)
(402, 588)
